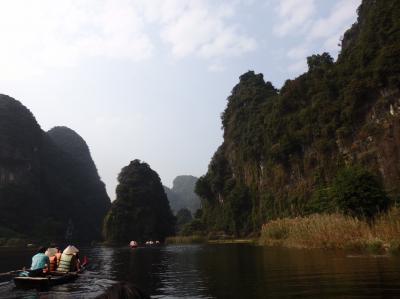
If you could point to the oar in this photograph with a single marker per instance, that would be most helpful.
(10, 273)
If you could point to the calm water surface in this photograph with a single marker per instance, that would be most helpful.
(221, 271)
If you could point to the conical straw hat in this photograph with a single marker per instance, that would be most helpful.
(51, 252)
(71, 250)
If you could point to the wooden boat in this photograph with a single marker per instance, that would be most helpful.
(55, 278)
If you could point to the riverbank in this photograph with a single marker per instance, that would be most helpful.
(335, 231)
(203, 239)
(321, 231)
(15, 242)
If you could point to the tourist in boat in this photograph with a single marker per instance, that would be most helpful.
(78, 262)
(58, 255)
(40, 262)
(69, 262)
(51, 253)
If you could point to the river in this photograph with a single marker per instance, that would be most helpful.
(221, 271)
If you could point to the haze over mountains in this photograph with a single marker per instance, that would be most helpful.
(182, 194)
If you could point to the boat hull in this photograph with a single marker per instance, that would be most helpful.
(44, 282)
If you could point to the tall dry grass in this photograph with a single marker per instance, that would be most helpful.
(387, 226)
(334, 231)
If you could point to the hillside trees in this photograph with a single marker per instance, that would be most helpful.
(283, 149)
(141, 210)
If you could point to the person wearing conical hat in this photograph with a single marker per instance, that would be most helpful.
(68, 261)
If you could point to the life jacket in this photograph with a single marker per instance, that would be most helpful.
(65, 263)
(53, 261)
(58, 257)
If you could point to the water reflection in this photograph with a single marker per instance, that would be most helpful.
(222, 271)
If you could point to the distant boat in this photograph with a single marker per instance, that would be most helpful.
(133, 244)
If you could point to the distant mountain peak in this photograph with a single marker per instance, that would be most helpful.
(182, 195)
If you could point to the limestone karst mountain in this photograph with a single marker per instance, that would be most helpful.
(283, 148)
(182, 195)
(49, 185)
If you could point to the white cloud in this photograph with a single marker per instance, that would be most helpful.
(36, 36)
(299, 52)
(294, 15)
(319, 34)
(43, 34)
(343, 12)
(199, 28)
(298, 67)
(216, 68)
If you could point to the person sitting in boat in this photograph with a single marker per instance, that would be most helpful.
(51, 253)
(78, 261)
(58, 255)
(40, 261)
(69, 260)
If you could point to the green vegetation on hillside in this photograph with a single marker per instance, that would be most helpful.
(141, 210)
(284, 149)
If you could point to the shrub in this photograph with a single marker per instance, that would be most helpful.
(195, 227)
(375, 246)
(278, 232)
(359, 193)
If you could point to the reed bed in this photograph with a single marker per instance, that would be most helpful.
(335, 231)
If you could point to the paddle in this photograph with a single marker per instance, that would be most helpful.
(10, 273)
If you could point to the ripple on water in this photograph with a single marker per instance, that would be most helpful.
(226, 271)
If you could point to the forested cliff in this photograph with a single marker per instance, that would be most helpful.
(141, 210)
(49, 185)
(283, 148)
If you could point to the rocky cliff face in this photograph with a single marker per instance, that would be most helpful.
(281, 147)
(83, 178)
(20, 163)
(49, 186)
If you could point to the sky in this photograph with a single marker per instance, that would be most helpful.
(148, 79)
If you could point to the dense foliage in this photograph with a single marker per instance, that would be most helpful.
(359, 193)
(283, 147)
(49, 186)
(141, 210)
(183, 216)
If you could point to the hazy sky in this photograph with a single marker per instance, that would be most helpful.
(148, 79)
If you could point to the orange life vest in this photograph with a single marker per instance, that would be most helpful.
(53, 261)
